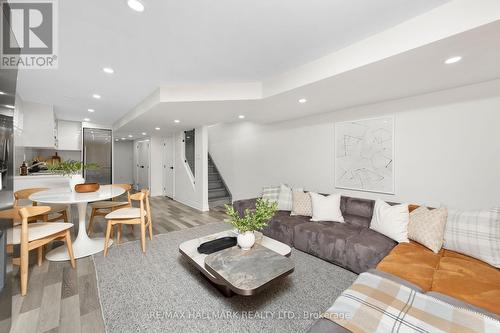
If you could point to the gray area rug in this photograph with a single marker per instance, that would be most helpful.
(161, 292)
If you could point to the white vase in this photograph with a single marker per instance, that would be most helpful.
(75, 180)
(246, 240)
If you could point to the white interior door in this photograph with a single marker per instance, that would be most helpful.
(168, 167)
(142, 165)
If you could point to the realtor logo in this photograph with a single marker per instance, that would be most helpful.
(29, 34)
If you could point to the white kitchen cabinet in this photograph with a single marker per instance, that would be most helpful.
(69, 135)
(40, 180)
(38, 125)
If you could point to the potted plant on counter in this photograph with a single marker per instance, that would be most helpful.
(73, 170)
(251, 221)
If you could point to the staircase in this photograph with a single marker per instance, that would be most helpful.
(218, 193)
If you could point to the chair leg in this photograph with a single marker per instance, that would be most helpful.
(39, 255)
(24, 269)
(118, 233)
(108, 234)
(150, 227)
(69, 245)
(65, 216)
(90, 227)
(143, 237)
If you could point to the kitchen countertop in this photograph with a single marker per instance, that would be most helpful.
(41, 175)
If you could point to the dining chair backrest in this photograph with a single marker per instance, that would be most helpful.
(26, 213)
(139, 196)
(25, 194)
(148, 208)
(126, 187)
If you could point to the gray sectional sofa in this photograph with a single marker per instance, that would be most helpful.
(352, 245)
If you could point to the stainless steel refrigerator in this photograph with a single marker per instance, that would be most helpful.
(97, 148)
(8, 79)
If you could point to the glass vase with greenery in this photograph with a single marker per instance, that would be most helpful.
(252, 220)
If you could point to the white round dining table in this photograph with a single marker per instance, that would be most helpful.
(83, 245)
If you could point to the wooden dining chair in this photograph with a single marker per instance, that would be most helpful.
(102, 208)
(131, 216)
(59, 209)
(34, 236)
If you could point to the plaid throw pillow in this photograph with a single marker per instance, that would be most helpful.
(474, 233)
(285, 200)
(271, 194)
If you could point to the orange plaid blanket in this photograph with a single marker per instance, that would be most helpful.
(376, 304)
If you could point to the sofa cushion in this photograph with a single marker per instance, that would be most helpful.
(447, 272)
(326, 240)
(281, 226)
(357, 211)
(365, 250)
(469, 280)
(412, 262)
(241, 205)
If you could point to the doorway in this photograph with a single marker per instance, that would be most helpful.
(168, 167)
(97, 148)
(142, 164)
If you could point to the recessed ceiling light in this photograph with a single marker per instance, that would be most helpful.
(86, 119)
(117, 140)
(108, 70)
(135, 5)
(177, 121)
(91, 110)
(9, 106)
(96, 96)
(452, 60)
(302, 100)
(2, 93)
(130, 136)
(241, 116)
(123, 138)
(157, 128)
(144, 133)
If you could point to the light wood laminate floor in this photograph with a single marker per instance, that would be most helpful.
(62, 299)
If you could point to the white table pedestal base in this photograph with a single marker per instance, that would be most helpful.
(83, 246)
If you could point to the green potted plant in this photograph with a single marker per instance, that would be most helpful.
(73, 170)
(252, 220)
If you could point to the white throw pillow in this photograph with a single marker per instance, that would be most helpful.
(285, 199)
(326, 208)
(391, 221)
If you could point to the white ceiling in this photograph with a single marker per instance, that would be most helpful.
(175, 42)
(419, 71)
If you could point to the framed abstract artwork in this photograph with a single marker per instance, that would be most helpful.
(364, 155)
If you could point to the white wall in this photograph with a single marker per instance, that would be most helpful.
(189, 191)
(447, 149)
(156, 166)
(123, 154)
